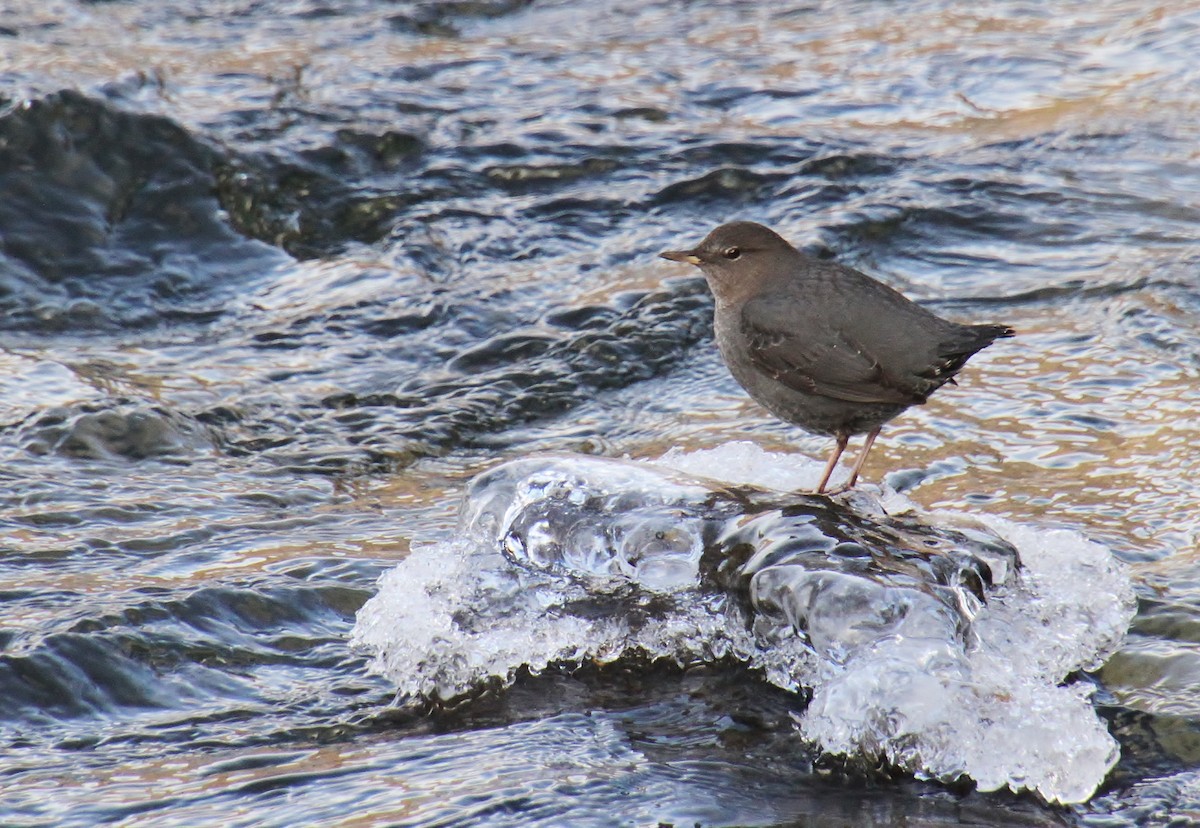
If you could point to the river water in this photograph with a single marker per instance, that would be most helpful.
(280, 277)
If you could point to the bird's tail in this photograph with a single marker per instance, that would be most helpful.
(990, 333)
(968, 340)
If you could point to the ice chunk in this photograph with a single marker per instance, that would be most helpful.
(927, 640)
(557, 560)
(607, 518)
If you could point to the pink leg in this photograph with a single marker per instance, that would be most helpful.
(842, 439)
(862, 458)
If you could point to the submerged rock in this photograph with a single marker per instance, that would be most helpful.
(111, 219)
(102, 431)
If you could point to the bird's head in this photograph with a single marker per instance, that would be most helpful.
(736, 257)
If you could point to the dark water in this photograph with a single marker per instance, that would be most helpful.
(279, 277)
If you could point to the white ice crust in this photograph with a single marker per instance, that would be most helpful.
(477, 608)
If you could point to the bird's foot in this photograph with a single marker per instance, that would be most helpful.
(834, 491)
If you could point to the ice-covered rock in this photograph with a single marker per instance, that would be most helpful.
(937, 642)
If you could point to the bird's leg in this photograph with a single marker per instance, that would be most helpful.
(862, 458)
(842, 439)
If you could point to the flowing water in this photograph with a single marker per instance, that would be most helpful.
(279, 278)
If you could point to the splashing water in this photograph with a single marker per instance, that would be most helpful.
(936, 642)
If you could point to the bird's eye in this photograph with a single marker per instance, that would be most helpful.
(732, 253)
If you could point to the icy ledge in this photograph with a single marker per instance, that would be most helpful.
(939, 643)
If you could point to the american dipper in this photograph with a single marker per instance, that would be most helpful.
(822, 345)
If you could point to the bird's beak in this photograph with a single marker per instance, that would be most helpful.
(681, 256)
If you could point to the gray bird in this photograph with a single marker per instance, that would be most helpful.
(821, 345)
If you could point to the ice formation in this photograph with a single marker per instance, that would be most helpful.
(939, 643)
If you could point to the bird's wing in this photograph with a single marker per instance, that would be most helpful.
(813, 356)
